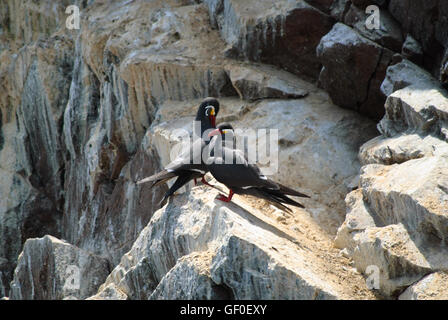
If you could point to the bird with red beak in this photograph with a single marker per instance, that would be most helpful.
(206, 115)
(184, 167)
(230, 167)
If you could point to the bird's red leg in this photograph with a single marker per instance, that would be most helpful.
(205, 182)
(195, 182)
(224, 198)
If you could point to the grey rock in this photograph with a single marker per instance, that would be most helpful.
(396, 260)
(412, 50)
(283, 33)
(51, 269)
(339, 9)
(416, 109)
(324, 131)
(431, 287)
(35, 86)
(389, 35)
(400, 148)
(122, 79)
(353, 69)
(444, 69)
(359, 217)
(426, 22)
(28, 20)
(404, 74)
(413, 193)
(111, 292)
(190, 279)
(262, 82)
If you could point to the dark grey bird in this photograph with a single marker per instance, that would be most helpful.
(230, 167)
(189, 165)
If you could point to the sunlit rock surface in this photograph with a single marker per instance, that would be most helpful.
(197, 240)
(85, 113)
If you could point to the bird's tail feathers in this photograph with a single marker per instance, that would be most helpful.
(158, 178)
(286, 190)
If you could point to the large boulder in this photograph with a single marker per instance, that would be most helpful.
(397, 221)
(401, 148)
(413, 193)
(426, 22)
(52, 269)
(284, 33)
(353, 69)
(416, 109)
(398, 258)
(262, 82)
(404, 74)
(388, 35)
(431, 287)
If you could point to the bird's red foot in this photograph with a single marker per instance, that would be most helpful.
(205, 182)
(195, 182)
(224, 198)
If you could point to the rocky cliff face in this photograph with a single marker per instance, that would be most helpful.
(363, 129)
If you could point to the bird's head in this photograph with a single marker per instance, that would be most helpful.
(224, 129)
(208, 110)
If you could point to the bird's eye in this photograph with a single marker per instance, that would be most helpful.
(209, 110)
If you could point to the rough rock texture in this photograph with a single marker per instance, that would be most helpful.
(35, 86)
(431, 287)
(426, 22)
(353, 70)
(398, 219)
(404, 74)
(284, 33)
(397, 255)
(414, 108)
(262, 82)
(389, 34)
(412, 50)
(195, 232)
(84, 113)
(401, 148)
(50, 269)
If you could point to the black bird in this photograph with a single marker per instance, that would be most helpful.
(230, 167)
(187, 166)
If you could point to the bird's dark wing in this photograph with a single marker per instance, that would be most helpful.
(184, 162)
(260, 180)
(183, 178)
(248, 175)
